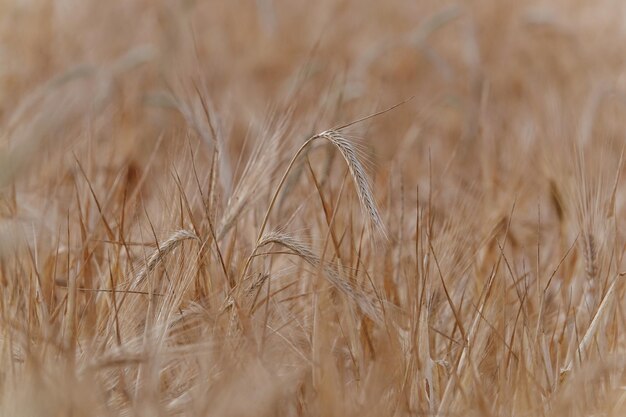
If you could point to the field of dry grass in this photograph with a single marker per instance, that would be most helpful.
(199, 217)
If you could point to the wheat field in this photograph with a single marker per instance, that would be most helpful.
(298, 208)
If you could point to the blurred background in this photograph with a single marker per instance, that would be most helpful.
(498, 86)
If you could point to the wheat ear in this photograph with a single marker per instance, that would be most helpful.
(365, 304)
(161, 252)
(364, 191)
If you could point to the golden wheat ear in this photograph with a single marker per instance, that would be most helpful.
(161, 252)
(366, 304)
(361, 181)
(357, 172)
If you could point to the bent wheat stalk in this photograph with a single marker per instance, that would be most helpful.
(363, 189)
(364, 303)
(161, 251)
